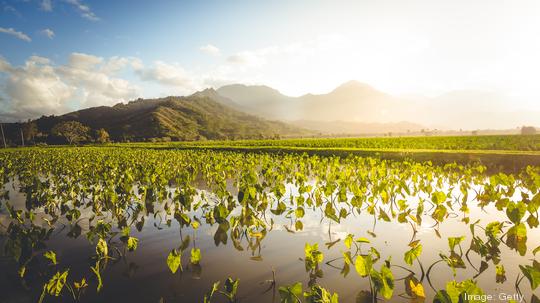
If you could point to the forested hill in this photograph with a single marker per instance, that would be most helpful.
(195, 117)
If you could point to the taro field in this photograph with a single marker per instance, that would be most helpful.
(134, 224)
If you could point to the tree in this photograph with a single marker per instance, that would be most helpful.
(102, 136)
(72, 131)
(30, 130)
(528, 130)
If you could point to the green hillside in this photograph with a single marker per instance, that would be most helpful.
(195, 117)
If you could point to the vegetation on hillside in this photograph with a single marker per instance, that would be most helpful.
(189, 118)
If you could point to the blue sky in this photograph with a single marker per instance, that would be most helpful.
(151, 30)
(60, 55)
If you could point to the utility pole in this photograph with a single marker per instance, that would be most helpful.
(3, 138)
(22, 137)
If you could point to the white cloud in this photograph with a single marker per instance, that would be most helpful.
(46, 5)
(34, 89)
(18, 35)
(41, 87)
(83, 61)
(211, 50)
(95, 80)
(167, 74)
(83, 9)
(48, 32)
(249, 58)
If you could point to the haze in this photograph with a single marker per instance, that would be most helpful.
(481, 56)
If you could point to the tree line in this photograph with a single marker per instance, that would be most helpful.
(70, 132)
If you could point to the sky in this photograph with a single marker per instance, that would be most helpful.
(62, 55)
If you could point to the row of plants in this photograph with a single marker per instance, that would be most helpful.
(488, 142)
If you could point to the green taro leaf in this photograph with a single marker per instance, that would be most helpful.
(362, 240)
(101, 248)
(516, 211)
(231, 287)
(500, 274)
(438, 197)
(298, 225)
(132, 243)
(318, 294)
(291, 293)
(174, 261)
(413, 254)
(454, 241)
(348, 241)
(363, 265)
(51, 255)
(532, 221)
(208, 296)
(56, 283)
(383, 281)
(457, 290)
(440, 213)
(532, 273)
(516, 238)
(195, 256)
(299, 212)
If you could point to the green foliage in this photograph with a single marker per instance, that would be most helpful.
(363, 265)
(132, 243)
(291, 293)
(383, 281)
(102, 136)
(516, 211)
(348, 241)
(51, 255)
(102, 249)
(457, 291)
(412, 254)
(174, 261)
(231, 288)
(318, 294)
(195, 256)
(454, 241)
(532, 273)
(125, 188)
(500, 274)
(208, 296)
(313, 255)
(96, 270)
(56, 283)
(72, 131)
(497, 142)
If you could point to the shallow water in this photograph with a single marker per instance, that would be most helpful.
(143, 275)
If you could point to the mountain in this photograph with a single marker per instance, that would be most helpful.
(260, 100)
(352, 101)
(351, 108)
(199, 116)
(357, 108)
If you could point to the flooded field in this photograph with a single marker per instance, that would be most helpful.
(139, 225)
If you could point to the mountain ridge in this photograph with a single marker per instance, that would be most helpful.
(357, 102)
(194, 117)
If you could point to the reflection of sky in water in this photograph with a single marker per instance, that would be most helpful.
(144, 277)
